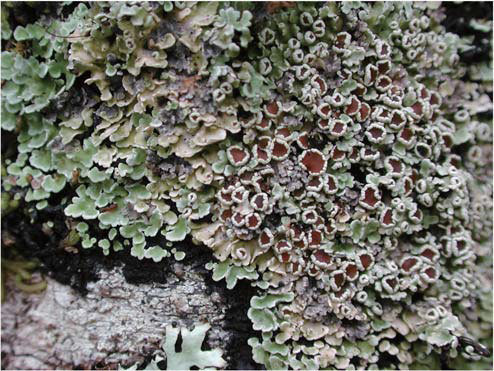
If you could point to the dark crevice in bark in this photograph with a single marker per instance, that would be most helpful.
(239, 353)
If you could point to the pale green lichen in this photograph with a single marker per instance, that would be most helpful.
(190, 353)
(336, 155)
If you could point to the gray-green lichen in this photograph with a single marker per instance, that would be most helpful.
(190, 354)
(337, 155)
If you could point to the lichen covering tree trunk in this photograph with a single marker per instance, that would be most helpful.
(287, 185)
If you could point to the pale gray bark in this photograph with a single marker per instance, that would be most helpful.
(116, 323)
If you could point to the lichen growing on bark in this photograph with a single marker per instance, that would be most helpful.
(336, 155)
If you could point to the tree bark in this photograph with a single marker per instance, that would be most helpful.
(116, 323)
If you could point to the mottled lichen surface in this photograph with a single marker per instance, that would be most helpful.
(337, 155)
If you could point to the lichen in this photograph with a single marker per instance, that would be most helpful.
(336, 155)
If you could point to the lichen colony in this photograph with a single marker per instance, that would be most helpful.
(336, 155)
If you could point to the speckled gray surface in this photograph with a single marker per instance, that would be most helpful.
(116, 323)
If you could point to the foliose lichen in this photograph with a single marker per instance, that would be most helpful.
(337, 155)
(190, 353)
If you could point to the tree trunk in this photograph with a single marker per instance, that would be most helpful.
(116, 323)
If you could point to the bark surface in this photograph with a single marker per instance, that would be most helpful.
(116, 323)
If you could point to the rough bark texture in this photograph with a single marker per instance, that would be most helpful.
(115, 323)
(89, 295)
